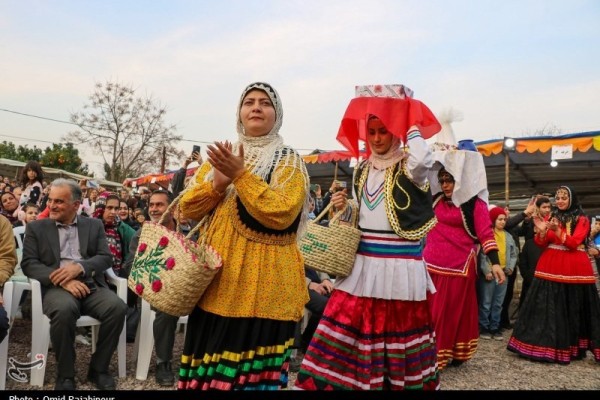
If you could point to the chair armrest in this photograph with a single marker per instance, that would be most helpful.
(120, 283)
(36, 296)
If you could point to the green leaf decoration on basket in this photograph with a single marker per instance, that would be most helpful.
(152, 263)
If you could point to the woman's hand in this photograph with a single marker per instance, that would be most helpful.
(227, 165)
(489, 276)
(340, 199)
(553, 224)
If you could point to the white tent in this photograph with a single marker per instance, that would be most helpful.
(13, 168)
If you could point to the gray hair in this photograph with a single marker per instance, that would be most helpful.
(73, 186)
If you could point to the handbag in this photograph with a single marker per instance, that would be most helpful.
(331, 249)
(171, 271)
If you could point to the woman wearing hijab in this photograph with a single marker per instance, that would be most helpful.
(10, 208)
(118, 233)
(257, 189)
(559, 320)
(460, 203)
(376, 332)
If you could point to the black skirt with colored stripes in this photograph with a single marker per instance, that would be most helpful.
(223, 353)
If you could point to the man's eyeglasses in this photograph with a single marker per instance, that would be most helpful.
(441, 181)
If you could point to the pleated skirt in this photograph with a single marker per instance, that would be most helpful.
(222, 353)
(455, 316)
(558, 323)
(366, 343)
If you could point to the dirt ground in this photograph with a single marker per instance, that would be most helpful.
(492, 368)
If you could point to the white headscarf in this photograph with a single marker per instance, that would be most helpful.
(467, 167)
(392, 157)
(263, 153)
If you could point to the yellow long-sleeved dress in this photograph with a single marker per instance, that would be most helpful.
(240, 333)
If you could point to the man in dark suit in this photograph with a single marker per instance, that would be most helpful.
(68, 254)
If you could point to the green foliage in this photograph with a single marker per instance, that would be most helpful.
(65, 157)
(61, 156)
(21, 153)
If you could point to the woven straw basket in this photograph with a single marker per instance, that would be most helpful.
(171, 271)
(331, 249)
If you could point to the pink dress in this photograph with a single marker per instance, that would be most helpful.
(451, 257)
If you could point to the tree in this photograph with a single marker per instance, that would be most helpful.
(21, 153)
(128, 131)
(64, 156)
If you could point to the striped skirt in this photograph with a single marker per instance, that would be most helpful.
(222, 353)
(365, 343)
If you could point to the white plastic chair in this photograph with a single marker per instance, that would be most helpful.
(40, 337)
(12, 295)
(13, 291)
(144, 340)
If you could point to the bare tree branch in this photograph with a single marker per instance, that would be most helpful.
(128, 132)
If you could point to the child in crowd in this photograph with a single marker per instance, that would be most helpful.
(491, 293)
(31, 211)
(32, 179)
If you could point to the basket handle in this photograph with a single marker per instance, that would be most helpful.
(337, 215)
(203, 221)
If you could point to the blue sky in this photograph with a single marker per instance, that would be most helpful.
(511, 68)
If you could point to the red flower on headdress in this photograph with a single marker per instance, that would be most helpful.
(170, 263)
(142, 247)
(163, 242)
(156, 285)
(377, 88)
(139, 289)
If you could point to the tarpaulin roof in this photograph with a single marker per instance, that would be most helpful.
(577, 154)
(13, 168)
(155, 178)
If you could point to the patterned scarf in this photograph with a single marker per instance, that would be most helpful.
(112, 234)
(262, 154)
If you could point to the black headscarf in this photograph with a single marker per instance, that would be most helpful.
(568, 218)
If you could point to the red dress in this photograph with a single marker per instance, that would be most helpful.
(559, 320)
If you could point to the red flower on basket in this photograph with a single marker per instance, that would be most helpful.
(150, 262)
(170, 263)
(156, 285)
(139, 289)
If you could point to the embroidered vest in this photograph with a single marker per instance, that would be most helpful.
(467, 210)
(408, 206)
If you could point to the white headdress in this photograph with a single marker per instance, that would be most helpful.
(465, 166)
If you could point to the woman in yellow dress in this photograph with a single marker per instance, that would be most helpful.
(255, 192)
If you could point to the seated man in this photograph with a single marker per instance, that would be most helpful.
(319, 289)
(8, 261)
(68, 254)
(165, 325)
